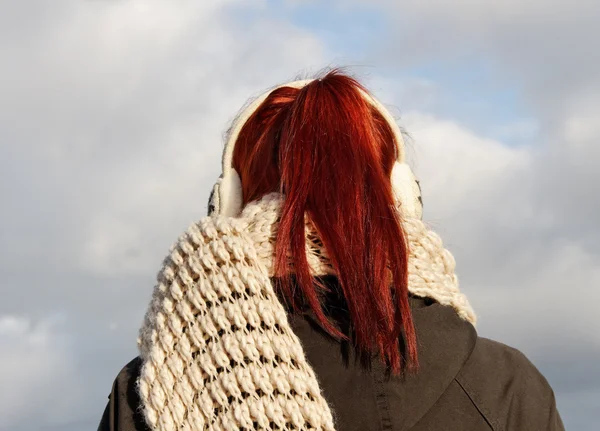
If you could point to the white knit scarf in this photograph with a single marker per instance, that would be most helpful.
(217, 350)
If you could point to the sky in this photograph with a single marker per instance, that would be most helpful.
(112, 114)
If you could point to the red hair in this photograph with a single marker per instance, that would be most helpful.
(331, 153)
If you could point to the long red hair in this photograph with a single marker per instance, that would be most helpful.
(331, 153)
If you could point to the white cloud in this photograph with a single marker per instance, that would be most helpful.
(512, 259)
(113, 115)
(460, 169)
(129, 101)
(36, 362)
(581, 129)
(522, 222)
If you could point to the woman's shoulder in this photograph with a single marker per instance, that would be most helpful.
(122, 410)
(507, 388)
(490, 354)
(129, 373)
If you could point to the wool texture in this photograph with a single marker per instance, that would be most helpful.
(217, 350)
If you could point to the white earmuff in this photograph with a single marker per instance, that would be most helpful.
(226, 196)
(407, 191)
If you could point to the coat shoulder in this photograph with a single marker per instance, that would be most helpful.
(122, 411)
(129, 373)
(508, 389)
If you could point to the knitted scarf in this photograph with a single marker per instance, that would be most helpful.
(217, 350)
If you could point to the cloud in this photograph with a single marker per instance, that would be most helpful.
(36, 361)
(520, 218)
(113, 115)
(540, 42)
(526, 249)
(484, 196)
(580, 404)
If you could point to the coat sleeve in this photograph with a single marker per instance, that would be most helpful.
(122, 412)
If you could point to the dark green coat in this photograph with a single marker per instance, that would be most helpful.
(465, 383)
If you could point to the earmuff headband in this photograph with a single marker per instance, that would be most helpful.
(226, 198)
(250, 109)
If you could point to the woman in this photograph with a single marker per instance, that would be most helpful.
(314, 297)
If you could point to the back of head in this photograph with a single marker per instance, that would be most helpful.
(331, 153)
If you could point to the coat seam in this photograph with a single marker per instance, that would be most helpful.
(383, 408)
(484, 412)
